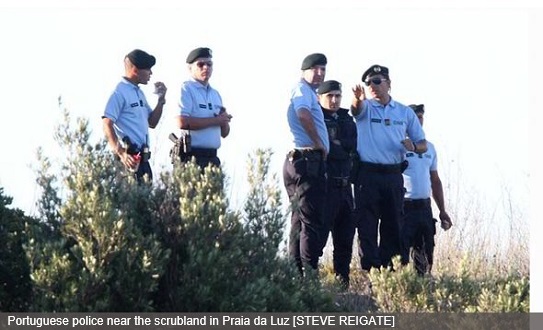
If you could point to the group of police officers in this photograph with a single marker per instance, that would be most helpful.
(373, 151)
(377, 149)
(202, 118)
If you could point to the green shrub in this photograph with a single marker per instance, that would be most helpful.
(102, 254)
(113, 245)
(104, 243)
(404, 291)
(15, 286)
(225, 261)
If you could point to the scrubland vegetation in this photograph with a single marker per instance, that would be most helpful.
(101, 242)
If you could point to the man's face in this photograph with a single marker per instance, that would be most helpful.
(144, 75)
(201, 69)
(315, 75)
(331, 100)
(378, 85)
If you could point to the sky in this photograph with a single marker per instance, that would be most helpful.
(474, 64)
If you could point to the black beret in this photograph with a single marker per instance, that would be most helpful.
(375, 70)
(418, 108)
(312, 60)
(197, 53)
(328, 86)
(141, 59)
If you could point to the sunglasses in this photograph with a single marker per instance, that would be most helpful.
(375, 81)
(202, 63)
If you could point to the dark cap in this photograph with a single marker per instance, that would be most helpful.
(418, 108)
(312, 60)
(141, 59)
(328, 86)
(375, 70)
(197, 53)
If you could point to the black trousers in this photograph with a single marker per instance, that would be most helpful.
(203, 161)
(378, 211)
(304, 179)
(339, 220)
(417, 231)
(203, 157)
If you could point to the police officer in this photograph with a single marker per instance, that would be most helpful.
(128, 116)
(201, 112)
(382, 124)
(421, 180)
(304, 167)
(339, 201)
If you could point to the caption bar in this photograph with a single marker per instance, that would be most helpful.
(292, 321)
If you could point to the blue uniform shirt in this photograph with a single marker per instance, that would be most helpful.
(304, 96)
(416, 176)
(201, 101)
(127, 107)
(381, 130)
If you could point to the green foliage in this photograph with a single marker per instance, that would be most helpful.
(49, 202)
(404, 291)
(224, 261)
(101, 255)
(104, 243)
(15, 286)
(504, 295)
(107, 243)
(263, 217)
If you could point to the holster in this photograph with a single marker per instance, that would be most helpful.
(145, 155)
(405, 164)
(313, 164)
(131, 148)
(309, 162)
(175, 151)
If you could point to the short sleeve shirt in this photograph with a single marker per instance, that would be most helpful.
(303, 96)
(381, 129)
(127, 107)
(201, 101)
(416, 176)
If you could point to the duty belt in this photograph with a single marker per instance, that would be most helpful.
(381, 168)
(141, 152)
(298, 153)
(417, 203)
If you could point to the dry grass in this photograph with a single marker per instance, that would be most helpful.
(480, 246)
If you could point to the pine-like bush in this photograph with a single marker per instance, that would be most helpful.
(107, 243)
(15, 286)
